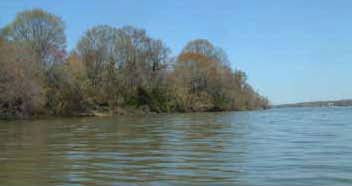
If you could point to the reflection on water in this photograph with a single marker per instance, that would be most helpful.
(276, 147)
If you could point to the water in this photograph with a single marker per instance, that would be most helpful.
(292, 146)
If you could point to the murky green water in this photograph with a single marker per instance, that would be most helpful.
(301, 146)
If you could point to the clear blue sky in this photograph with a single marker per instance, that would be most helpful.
(292, 51)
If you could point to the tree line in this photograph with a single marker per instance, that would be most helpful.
(111, 69)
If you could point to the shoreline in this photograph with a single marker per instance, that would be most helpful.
(109, 114)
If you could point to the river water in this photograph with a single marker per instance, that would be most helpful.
(288, 146)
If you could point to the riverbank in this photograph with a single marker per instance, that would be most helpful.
(105, 74)
(142, 111)
(93, 113)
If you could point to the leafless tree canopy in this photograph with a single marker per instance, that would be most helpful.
(112, 68)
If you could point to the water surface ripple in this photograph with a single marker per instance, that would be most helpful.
(291, 146)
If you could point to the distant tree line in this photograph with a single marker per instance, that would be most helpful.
(334, 103)
(111, 69)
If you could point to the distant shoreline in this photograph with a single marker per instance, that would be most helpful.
(341, 103)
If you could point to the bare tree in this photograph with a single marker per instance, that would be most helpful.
(41, 31)
(97, 48)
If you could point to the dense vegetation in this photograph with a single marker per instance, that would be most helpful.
(112, 69)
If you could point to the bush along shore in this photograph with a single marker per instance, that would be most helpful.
(112, 71)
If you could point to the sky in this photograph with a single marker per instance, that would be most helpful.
(292, 51)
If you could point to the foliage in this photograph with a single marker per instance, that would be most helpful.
(21, 88)
(112, 68)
